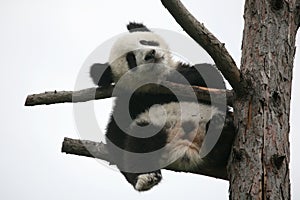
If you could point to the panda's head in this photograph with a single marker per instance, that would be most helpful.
(139, 55)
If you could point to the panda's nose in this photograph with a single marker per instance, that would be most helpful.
(150, 55)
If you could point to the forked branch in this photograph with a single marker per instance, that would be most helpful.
(209, 42)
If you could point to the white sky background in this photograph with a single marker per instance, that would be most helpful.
(43, 45)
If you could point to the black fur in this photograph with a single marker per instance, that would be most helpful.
(200, 75)
(137, 27)
(131, 60)
(205, 75)
(101, 74)
(149, 43)
(139, 103)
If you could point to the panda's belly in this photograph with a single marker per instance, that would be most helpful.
(184, 125)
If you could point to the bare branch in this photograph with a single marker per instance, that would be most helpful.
(297, 13)
(89, 94)
(55, 97)
(216, 159)
(208, 41)
(98, 150)
(85, 148)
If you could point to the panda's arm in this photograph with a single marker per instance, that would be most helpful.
(205, 75)
(101, 74)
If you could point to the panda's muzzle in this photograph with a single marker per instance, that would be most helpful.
(153, 56)
(150, 55)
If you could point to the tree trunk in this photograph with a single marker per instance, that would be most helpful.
(258, 167)
(259, 164)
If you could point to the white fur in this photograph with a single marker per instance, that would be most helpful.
(143, 75)
(182, 149)
(131, 41)
(147, 181)
(181, 152)
(146, 71)
(169, 114)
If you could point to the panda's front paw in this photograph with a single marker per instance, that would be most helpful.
(216, 123)
(147, 181)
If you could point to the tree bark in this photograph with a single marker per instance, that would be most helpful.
(259, 163)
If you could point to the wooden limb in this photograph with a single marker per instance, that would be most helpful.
(297, 14)
(85, 148)
(89, 94)
(216, 159)
(208, 41)
(55, 97)
(98, 150)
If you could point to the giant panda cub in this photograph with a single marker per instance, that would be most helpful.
(149, 131)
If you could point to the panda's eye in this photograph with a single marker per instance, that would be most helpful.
(149, 43)
(150, 55)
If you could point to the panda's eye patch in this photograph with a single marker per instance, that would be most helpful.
(149, 43)
(150, 55)
(131, 60)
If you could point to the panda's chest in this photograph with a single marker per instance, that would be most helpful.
(182, 125)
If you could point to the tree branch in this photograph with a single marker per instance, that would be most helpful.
(209, 42)
(216, 159)
(98, 150)
(297, 13)
(55, 97)
(85, 148)
(89, 94)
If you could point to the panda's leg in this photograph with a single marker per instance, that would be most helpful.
(140, 181)
(216, 123)
(147, 169)
(143, 181)
(146, 175)
(138, 157)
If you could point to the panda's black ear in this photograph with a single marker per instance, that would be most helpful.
(101, 74)
(137, 27)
